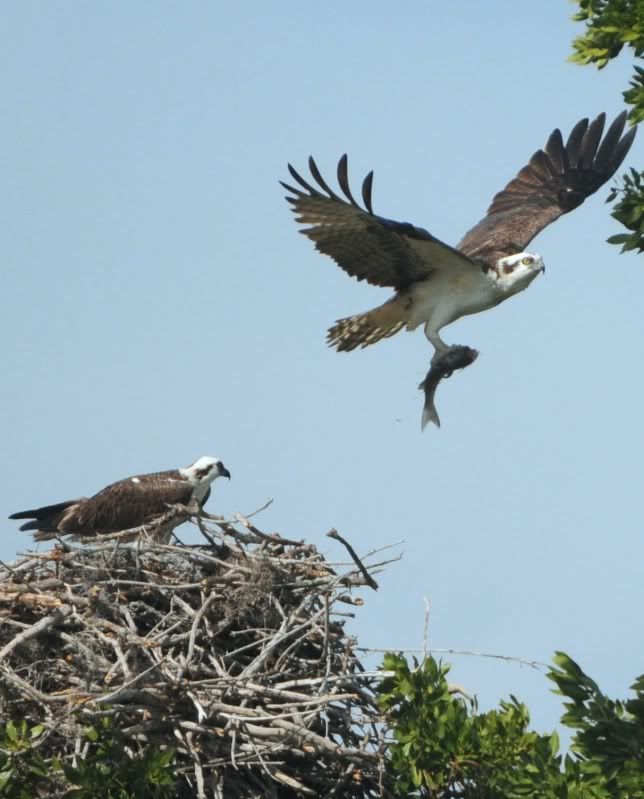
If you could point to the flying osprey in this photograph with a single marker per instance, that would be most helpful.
(436, 284)
(127, 503)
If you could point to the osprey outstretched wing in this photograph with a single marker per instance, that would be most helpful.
(435, 283)
(125, 504)
(556, 180)
(366, 246)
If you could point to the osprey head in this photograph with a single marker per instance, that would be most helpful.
(516, 272)
(205, 470)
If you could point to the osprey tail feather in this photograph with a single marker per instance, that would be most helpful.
(44, 519)
(367, 328)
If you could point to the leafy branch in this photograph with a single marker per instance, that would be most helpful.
(629, 211)
(611, 26)
(444, 747)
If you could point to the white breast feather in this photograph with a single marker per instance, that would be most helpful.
(447, 296)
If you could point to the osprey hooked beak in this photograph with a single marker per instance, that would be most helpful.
(223, 471)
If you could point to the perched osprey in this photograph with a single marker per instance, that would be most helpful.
(127, 503)
(435, 284)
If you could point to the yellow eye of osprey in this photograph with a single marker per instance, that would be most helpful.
(526, 261)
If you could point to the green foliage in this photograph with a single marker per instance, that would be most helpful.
(610, 733)
(635, 95)
(22, 768)
(612, 25)
(108, 771)
(443, 747)
(629, 211)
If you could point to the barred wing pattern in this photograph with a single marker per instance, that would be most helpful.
(127, 504)
(368, 247)
(555, 181)
(120, 506)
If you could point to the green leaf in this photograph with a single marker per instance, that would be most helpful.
(554, 744)
(91, 734)
(10, 731)
(445, 747)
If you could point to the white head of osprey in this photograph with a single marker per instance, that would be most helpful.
(202, 473)
(516, 272)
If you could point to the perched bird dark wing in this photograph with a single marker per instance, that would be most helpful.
(556, 180)
(48, 517)
(126, 504)
(366, 246)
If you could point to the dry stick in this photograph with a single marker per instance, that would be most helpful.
(426, 627)
(9, 676)
(314, 700)
(90, 657)
(227, 529)
(286, 729)
(54, 618)
(260, 509)
(22, 585)
(276, 539)
(382, 548)
(333, 533)
(295, 616)
(325, 653)
(535, 664)
(342, 781)
(201, 793)
(260, 758)
(308, 623)
(197, 518)
(281, 635)
(246, 515)
(293, 714)
(111, 697)
(193, 633)
(20, 579)
(284, 778)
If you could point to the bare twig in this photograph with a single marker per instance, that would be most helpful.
(333, 533)
(233, 650)
(535, 664)
(426, 627)
(31, 632)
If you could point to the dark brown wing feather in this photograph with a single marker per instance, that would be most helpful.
(556, 180)
(366, 246)
(48, 517)
(126, 504)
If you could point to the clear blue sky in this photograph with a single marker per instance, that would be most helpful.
(158, 304)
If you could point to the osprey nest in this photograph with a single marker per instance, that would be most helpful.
(229, 655)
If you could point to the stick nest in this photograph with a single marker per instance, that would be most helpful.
(233, 652)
